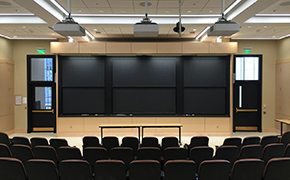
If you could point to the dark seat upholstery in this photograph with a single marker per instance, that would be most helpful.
(150, 142)
(125, 154)
(93, 154)
(179, 170)
(268, 140)
(201, 153)
(41, 169)
(5, 151)
(131, 142)
(57, 143)
(251, 140)
(169, 142)
(251, 151)
(277, 169)
(274, 150)
(214, 170)
(4, 139)
(38, 141)
(227, 152)
(197, 141)
(149, 153)
(66, 152)
(174, 153)
(144, 170)
(247, 169)
(110, 142)
(285, 139)
(45, 152)
(287, 151)
(22, 152)
(21, 140)
(12, 169)
(90, 141)
(75, 170)
(233, 141)
(110, 170)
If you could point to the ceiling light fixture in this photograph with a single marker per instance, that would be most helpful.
(60, 7)
(232, 6)
(202, 33)
(90, 35)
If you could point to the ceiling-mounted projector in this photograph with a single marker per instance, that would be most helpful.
(223, 28)
(69, 28)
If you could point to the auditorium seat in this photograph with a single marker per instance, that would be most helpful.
(12, 169)
(214, 170)
(45, 152)
(5, 151)
(277, 169)
(90, 141)
(125, 154)
(21, 140)
(144, 170)
(168, 142)
(251, 151)
(93, 154)
(75, 170)
(110, 142)
(268, 140)
(22, 152)
(227, 152)
(38, 141)
(150, 142)
(285, 139)
(247, 169)
(201, 153)
(197, 141)
(233, 141)
(175, 153)
(131, 142)
(57, 142)
(41, 169)
(5, 139)
(180, 170)
(110, 170)
(251, 140)
(66, 152)
(274, 150)
(287, 151)
(149, 153)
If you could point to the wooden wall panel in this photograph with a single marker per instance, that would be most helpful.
(120, 120)
(93, 47)
(195, 48)
(7, 123)
(70, 125)
(144, 48)
(167, 120)
(192, 124)
(64, 47)
(145, 120)
(169, 48)
(119, 48)
(226, 47)
(217, 124)
(91, 124)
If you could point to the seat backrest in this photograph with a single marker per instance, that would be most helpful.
(277, 169)
(110, 169)
(131, 142)
(45, 152)
(12, 169)
(110, 142)
(198, 141)
(227, 152)
(57, 143)
(268, 140)
(251, 151)
(75, 170)
(233, 141)
(201, 153)
(247, 169)
(149, 153)
(38, 141)
(285, 139)
(214, 170)
(274, 150)
(174, 153)
(287, 151)
(144, 170)
(5, 139)
(93, 154)
(91, 141)
(41, 169)
(66, 152)
(125, 154)
(21, 140)
(5, 151)
(169, 142)
(150, 142)
(179, 169)
(22, 152)
(251, 140)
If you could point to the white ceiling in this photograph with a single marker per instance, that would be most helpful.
(116, 18)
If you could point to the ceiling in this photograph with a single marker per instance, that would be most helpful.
(115, 19)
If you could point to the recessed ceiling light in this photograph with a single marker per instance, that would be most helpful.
(143, 4)
(273, 36)
(210, 11)
(189, 11)
(101, 11)
(265, 26)
(249, 26)
(80, 10)
(123, 11)
(15, 36)
(95, 29)
(287, 3)
(167, 11)
(5, 3)
(194, 30)
(23, 26)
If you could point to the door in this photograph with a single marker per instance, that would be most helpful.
(247, 93)
(41, 93)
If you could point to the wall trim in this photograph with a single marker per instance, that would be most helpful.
(3, 61)
(283, 61)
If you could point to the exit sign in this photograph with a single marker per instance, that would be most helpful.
(41, 50)
(248, 50)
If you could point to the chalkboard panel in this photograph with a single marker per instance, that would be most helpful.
(205, 71)
(144, 71)
(205, 101)
(144, 101)
(83, 101)
(83, 71)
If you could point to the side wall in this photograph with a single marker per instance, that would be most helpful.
(6, 87)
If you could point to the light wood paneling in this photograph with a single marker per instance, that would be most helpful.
(120, 120)
(226, 47)
(195, 48)
(144, 48)
(169, 48)
(93, 47)
(192, 124)
(217, 124)
(7, 123)
(167, 120)
(145, 120)
(91, 124)
(64, 47)
(119, 48)
(69, 125)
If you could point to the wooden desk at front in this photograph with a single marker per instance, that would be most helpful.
(142, 127)
(283, 121)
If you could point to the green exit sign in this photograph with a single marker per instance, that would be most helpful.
(41, 50)
(248, 50)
